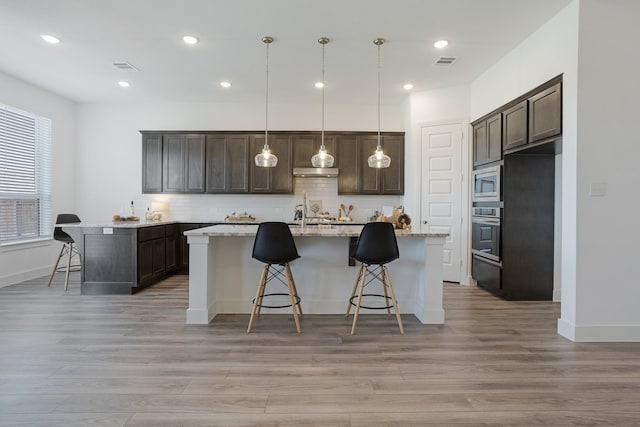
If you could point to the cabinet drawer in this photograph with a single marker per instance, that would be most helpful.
(150, 233)
(487, 274)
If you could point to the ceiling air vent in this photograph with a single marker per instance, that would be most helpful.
(124, 66)
(445, 60)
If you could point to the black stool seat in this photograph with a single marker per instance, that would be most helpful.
(275, 247)
(376, 246)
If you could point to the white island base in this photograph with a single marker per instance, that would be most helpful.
(223, 278)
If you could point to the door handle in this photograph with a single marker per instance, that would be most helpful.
(425, 221)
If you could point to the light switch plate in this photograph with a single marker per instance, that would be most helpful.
(597, 189)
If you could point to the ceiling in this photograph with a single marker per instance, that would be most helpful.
(148, 34)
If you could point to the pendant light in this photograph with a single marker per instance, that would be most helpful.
(379, 160)
(265, 159)
(322, 159)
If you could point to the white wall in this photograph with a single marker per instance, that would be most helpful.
(109, 156)
(27, 261)
(608, 149)
(550, 51)
(439, 106)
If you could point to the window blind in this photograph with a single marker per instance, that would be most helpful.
(25, 176)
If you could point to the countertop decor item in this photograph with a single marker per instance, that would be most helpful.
(243, 217)
(379, 160)
(266, 159)
(322, 159)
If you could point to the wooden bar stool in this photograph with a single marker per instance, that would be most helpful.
(274, 246)
(376, 246)
(68, 247)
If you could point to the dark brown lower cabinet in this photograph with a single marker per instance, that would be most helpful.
(125, 260)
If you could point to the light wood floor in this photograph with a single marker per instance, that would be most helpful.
(69, 360)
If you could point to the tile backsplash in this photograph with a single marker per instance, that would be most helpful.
(268, 207)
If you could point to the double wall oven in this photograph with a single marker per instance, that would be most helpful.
(486, 220)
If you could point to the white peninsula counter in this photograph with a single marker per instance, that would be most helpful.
(223, 277)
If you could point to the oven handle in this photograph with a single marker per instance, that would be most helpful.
(488, 221)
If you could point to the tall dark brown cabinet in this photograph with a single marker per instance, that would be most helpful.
(530, 137)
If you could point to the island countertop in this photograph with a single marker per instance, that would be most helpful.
(240, 230)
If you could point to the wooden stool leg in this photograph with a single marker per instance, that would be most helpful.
(387, 277)
(259, 295)
(293, 300)
(353, 291)
(355, 315)
(295, 292)
(55, 267)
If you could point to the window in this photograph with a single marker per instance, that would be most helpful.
(25, 176)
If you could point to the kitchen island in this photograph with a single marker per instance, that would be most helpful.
(224, 277)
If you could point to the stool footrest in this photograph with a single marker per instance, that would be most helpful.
(297, 298)
(372, 295)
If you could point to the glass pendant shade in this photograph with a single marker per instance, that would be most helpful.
(378, 159)
(266, 159)
(323, 159)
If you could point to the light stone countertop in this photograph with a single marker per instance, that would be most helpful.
(240, 230)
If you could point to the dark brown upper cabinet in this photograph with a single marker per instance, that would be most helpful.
(545, 114)
(151, 163)
(487, 141)
(356, 177)
(272, 180)
(350, 163)
(514, 126)
(183, 161)
(305, 146)
(227, 163)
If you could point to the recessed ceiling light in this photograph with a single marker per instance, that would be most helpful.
(319, 85)
(122, 83)
(408, 86)
(225, 84)
(50, 39)
(440, 44)
(190, 39)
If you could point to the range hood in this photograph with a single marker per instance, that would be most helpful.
(315, 172)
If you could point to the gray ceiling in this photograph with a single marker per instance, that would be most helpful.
(147, 33)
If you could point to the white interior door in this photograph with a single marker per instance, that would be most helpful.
(441, 191)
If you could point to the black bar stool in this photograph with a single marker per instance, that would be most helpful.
(68, 246)
(377, 246)
(274, 246)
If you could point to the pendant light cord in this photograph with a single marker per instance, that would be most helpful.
(322, 147)
(266, 110)
(379, 147)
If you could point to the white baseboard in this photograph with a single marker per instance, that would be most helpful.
(599, 333)
(23, 276)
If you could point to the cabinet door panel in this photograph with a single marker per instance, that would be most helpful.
(349, 163)
(282, 174)
(173, 163)
(260, 177)
(145, 261)
(303, 150)
(152, 163)
(237, 171)
(515, 126)
(216, 164)
(545, 114)
(494, 138)
(194, 163)
(158, 257)
(370, 176)
(480, 147)
(393, 176)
